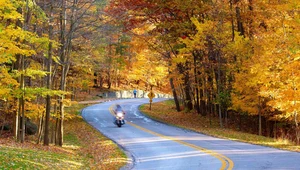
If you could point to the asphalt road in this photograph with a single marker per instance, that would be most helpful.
(151, 145)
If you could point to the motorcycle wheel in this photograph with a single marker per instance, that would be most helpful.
(119, 123)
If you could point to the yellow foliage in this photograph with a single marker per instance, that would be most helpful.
(33, 110)
(273, 71)
(7, 83)
(147, 65)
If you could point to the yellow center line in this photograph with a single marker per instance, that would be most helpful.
(226, 162)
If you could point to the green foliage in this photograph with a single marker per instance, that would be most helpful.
(19, 158)
(32, 73)
(224, 99)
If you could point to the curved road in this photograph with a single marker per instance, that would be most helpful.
(156, 146)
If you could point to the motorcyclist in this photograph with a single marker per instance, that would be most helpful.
(117, 109)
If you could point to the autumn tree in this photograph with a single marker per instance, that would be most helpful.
(26, 27)
(269, 72)
(21, 41)
(170, 20)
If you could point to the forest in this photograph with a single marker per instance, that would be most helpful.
(230, 59)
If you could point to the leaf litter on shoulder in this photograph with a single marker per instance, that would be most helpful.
(165, 112)
(84, 148)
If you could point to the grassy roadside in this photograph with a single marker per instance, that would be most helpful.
(84, 148)
(101, 152)
(165, 112)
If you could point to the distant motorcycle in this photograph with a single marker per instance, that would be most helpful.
(120, 115)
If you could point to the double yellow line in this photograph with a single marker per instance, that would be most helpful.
(226, 162)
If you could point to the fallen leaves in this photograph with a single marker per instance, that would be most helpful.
(163, 111)
(101, 153)
(84, 148)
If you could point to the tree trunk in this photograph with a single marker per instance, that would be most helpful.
(95, 79)
(65, 59)
(20, 65)
(1, 130)
(240, 121)
(49, 63)
(219, 89)
(19, 125)
(108, 79)
(251, 27)
(60, 131)
(54, 126)
(297, 128)
(275, 129)
(56, 131)
(173, 89)
(22, 101)
(16, 122)
(63, 20)
(187, 87)
(239, 21)
(196, 82)
(259, 117)
(22, 82)
(226, 117)
(175, 95)
(101, 81)
(41, 129)
(232, 21)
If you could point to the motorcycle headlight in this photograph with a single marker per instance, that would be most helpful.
(120, 114)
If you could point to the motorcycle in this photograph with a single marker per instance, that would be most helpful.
(119, 119)
(119, 115)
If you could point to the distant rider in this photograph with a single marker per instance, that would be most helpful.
(134, 93)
